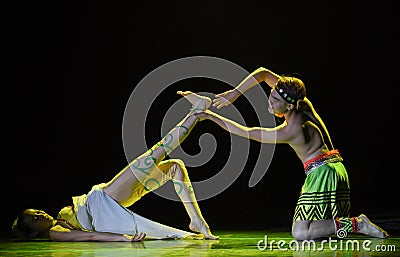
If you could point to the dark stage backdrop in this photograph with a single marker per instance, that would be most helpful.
(71, 67)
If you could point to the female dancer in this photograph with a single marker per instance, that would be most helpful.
(102, 214)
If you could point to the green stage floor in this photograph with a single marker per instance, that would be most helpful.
(231, 243)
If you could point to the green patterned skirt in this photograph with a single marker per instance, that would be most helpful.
(326, 190)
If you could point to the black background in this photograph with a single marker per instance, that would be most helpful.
(71, 67)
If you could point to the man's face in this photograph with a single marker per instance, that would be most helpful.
(276, 104)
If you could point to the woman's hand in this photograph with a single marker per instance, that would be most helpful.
(135, 238)
(226, 98)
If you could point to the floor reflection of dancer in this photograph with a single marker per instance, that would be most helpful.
(324, 204)
(101, 215)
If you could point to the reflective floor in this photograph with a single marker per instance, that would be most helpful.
(231, 243)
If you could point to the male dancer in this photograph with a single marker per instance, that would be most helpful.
(324, 204)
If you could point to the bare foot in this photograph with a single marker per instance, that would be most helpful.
(370, 229)
(199, 103)
(202, 228)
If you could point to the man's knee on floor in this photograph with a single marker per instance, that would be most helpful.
(300, 233)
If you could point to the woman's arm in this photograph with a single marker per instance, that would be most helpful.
(257, 76)
(58, 233)
(263, 135)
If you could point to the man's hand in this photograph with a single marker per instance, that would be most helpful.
(226, 98)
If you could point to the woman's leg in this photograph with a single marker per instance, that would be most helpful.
(175, 171)
(125, 186)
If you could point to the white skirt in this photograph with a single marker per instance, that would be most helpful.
(97, 211)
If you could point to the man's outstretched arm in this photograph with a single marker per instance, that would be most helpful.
(263, 135)
(256, 77)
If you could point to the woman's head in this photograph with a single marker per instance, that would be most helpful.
(30, 223)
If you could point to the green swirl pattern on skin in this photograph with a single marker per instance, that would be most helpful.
(180, 187)
(166, 143)
(186, 128)
(146, 182)
(148, 162)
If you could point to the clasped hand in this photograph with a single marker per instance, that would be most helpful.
(226, 98)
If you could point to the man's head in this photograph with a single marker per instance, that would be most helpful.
(285, 95)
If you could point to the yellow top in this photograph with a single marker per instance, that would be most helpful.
(68, 214)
